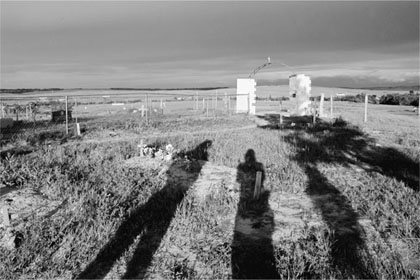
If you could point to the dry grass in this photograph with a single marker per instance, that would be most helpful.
(351, 182)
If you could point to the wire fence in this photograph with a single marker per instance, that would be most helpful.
(24, 116)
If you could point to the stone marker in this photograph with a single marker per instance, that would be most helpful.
(257, 189)
(5, 214)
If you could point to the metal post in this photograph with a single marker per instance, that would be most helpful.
(67, 114)
(366, 103)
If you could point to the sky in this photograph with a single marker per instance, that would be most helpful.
(102, 44)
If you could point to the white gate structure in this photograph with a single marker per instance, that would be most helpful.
(245, 96)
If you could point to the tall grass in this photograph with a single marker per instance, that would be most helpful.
(101, 194)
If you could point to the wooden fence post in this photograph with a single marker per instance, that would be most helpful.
(147, 108)
(331, 109)
(366, 105)
(280, 116)
(321, 106)
(196, 101)
(77, 123)
(67, 114)
(229, 106)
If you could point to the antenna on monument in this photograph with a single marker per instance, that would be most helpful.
(254, 72)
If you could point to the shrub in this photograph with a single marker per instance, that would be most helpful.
(408, 99)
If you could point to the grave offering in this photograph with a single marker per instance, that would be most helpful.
(300, 92)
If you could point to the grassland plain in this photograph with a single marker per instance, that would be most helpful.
(121, 221)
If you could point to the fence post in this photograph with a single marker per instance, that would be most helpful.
(207, 107)
(366, 103)
(147, 108)
(67, 114)
(226, 103)
(214, 106)
(419, 107)
(229, 105)
(321, 106)
(249, 104)
(331, 109)
(280, 116)
(196, 101)
(77, 122)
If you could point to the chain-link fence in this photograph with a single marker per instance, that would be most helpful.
(24, 117)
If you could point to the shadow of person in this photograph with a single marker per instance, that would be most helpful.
(252, 249)
(149, 221)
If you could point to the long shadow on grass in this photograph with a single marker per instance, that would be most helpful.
(347, 146)
(149, 222)
(252, 250)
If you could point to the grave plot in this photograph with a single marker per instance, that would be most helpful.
(17, 207)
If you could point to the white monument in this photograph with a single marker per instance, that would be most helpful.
(245, 96)
(300, 91)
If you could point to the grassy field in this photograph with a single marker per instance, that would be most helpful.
(262, 91)
(341, 199)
